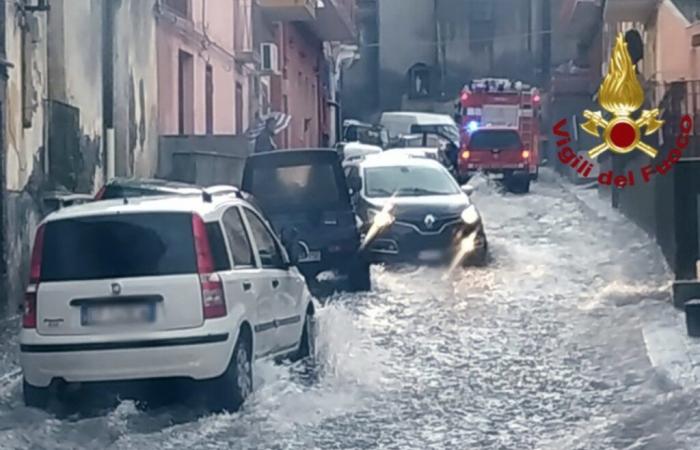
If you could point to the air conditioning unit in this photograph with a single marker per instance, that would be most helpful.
(269, 58)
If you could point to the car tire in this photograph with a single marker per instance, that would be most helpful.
(519, 185)
(481, 257)
(307, 343)
(35, 397)
(229, 391)
(359, 277)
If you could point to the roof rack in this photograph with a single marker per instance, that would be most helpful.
(208, 193)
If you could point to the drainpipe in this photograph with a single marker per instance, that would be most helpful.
(4, 65)
(344, 56)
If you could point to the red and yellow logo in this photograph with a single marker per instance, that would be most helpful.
(621, 95)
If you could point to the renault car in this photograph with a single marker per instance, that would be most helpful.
(412, 209)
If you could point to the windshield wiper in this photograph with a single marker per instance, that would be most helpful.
(382, 192)
(419, 191)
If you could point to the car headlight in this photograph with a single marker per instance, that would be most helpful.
(381, 219)
(470, 215)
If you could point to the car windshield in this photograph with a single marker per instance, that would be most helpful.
(118, 246)
(302, 187)
(488, 139)
(408, 181)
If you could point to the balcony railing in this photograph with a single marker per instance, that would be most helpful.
(336, 20)
(629, 10)
(289, 10)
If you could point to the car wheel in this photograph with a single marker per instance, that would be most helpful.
(307, 343)
(519, 185)
(481, 256)
(359, 277)
(35, 397)
(525, 186)
(230, 390)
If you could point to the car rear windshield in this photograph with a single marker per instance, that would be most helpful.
(113, 192)
(304, 187)
(118, 246)
(489, 139)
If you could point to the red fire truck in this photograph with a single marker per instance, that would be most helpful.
(499, 131)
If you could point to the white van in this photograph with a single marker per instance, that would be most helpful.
(401, 123)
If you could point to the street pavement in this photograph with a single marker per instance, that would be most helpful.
(567, 340)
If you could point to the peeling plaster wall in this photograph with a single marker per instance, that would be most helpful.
(24, 170)
(75, 79)
(59, 140)
(135, 88)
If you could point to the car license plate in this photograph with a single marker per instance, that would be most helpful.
(312, 256)
(430, 255)
(96, 315)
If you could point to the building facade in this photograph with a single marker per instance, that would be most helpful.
(299, 82)
(203, 75)
(80, 105)
(451, 41)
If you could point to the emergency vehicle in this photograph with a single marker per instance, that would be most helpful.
(499, 130)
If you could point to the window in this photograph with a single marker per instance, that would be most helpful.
(305, 187)
(490, 139)
(209, 98)
(218, 247)
(185, 93)
(270, 254)
(118, 246)
(241, 250)
(419, 78)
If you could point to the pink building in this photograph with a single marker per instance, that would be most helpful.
(203, 76)
(301, 31)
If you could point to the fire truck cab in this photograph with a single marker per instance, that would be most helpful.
(499, 131)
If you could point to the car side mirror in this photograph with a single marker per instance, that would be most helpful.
(467, 189)
(355, 185)
(290, 240)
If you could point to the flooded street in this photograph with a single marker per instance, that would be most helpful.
(542, 349)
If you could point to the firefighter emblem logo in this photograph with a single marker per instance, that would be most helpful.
(621, 94)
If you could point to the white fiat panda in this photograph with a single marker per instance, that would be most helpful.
(193, 287)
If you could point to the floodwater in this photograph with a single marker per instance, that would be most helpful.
(542, 349)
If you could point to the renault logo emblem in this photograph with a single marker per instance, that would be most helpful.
(429, 221)
(116, 288)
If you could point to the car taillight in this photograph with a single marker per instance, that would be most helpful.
(29, 310)
(465, 154)
(213, 299)
(526, 154)
(35, 271)
(100, 193)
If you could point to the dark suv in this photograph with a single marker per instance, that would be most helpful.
(304, 193)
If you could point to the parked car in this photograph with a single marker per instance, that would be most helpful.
(365, 133)
(418, 129)
(304, 193)
(141, 187)
(356, 150)
(500, 151)
(161, 288)
(412, 209)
